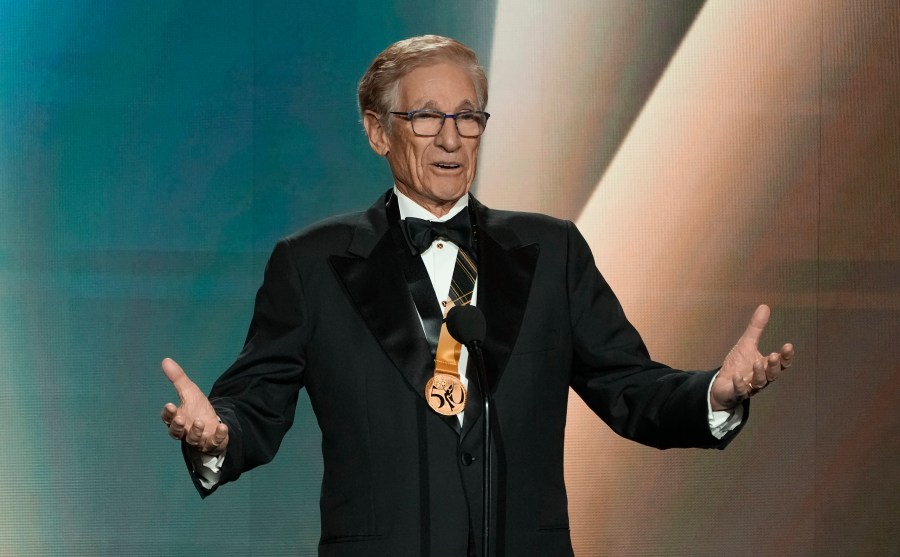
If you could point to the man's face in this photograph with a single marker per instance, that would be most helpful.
(432, 171)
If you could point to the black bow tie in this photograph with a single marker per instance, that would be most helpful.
(420, 234)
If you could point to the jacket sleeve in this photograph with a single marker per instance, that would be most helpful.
(640, 399)
(257, 396)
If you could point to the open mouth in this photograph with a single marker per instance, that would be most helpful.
(446, 165)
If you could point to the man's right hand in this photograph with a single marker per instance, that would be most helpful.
(195, 420)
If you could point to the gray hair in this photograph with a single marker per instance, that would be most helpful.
(379, 87)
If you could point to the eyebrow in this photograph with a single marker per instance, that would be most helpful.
(464, 105)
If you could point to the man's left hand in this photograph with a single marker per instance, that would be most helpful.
(746, 371)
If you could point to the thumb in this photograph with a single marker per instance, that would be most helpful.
(757, 325)
(176, 375)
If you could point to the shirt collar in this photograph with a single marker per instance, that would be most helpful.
(409, 208)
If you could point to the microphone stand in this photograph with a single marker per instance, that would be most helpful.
(475, 350)
(466, 324)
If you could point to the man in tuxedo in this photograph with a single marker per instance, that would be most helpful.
(351, 309)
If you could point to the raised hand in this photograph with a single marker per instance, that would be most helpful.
(195, 420)
(745, 371)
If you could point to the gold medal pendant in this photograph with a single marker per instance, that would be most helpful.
(445, 394)
(445, 391)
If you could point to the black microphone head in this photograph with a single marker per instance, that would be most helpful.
(466, 324)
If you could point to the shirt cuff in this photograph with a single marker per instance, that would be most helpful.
(207, 467)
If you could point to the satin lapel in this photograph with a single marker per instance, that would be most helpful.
(505, 273)
(378, 289)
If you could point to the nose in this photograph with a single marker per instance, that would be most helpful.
(448, 138)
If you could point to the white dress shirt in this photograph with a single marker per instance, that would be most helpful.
(440, 262)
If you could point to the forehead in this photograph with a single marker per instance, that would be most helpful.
(443, 85)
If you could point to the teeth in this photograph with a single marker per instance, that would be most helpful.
(447, 165)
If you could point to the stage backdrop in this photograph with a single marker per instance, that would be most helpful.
(716, 155)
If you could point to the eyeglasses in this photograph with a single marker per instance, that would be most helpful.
(428, 123)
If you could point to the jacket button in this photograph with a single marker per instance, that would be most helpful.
(466, 459)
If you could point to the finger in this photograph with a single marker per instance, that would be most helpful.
(741, 387)
(218, 441)
(758, 378)
(221, 434)
(787, 355)
(168, 413)
(757, 325)
(774, 366)
(195, 434)
(176, 428)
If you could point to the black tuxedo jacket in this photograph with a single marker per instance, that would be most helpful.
(335, 315)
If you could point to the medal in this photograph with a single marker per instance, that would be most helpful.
(445, 394)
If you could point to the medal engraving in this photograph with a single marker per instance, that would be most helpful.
(445, 394)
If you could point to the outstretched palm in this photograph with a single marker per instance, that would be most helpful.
(745, 370)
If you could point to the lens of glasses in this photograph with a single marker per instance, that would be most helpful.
(470, 124)
(427, 123)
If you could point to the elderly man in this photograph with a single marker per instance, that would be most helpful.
(351, 308)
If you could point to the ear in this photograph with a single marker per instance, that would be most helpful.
(379, 139)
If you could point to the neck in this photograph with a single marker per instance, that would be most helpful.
(424, 209)
(439, 210)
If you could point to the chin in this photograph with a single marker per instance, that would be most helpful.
(446, 191)
(453, 194)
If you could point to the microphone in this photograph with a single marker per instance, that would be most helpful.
(466, 324)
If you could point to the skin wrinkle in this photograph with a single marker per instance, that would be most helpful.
(448, 88)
